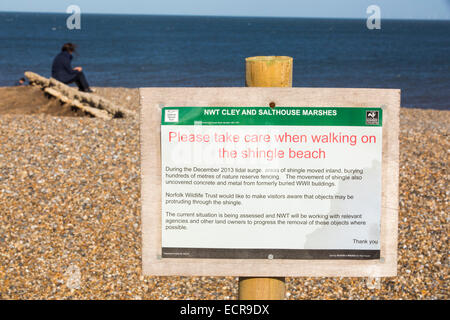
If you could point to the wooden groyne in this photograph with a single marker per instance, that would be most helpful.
(89, 103)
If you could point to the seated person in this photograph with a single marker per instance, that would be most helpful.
(63, 71)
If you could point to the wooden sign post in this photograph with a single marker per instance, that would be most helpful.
(266, 182)
(266, 71)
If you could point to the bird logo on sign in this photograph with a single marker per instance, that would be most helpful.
(372, 117)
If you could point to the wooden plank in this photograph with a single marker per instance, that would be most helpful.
(89, 100)
(102, 114)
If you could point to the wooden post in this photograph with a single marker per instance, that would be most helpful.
(261, 288)
(266, 71)
(271, 71)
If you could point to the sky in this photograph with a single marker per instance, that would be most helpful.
(390, 9)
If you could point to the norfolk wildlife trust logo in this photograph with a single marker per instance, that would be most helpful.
(372, 117)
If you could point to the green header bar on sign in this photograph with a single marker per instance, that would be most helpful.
(281, 116)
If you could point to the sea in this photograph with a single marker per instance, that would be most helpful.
(204, 51)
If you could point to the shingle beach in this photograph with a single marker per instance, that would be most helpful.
(70, 224)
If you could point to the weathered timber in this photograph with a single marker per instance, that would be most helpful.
(77, 98)
(102, 114)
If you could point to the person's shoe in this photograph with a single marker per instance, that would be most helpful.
(89, 91)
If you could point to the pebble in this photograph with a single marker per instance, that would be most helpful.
(70, 196)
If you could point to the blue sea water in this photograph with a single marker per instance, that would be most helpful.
(178, 51)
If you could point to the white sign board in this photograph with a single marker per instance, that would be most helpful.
(244, 189)
(282, 183)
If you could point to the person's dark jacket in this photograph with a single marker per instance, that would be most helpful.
(62, 69)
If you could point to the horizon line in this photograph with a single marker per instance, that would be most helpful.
(224, 16)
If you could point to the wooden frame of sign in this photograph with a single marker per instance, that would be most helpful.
(153, 99)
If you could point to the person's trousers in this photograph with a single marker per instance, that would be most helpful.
(80, 81)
